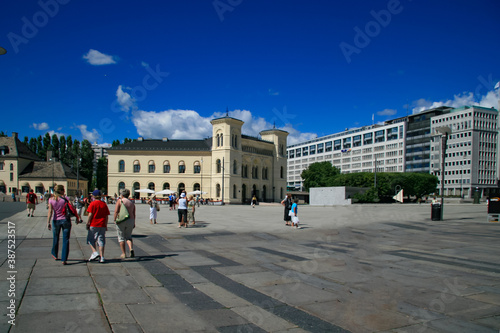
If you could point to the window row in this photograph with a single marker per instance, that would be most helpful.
(181, 167)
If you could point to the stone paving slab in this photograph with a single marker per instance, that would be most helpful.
(364, 268)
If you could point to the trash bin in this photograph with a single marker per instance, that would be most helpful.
(436, 212)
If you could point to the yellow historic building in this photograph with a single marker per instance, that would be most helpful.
(229, 166)
(22, 170)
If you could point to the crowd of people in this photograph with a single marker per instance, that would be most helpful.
(61, 210)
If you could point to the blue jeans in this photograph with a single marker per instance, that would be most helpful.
(57, 225)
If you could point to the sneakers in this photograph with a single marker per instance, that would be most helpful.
(102, 260)
(94, 256)
(132, 254)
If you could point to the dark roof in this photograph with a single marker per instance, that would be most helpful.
(168, 145)
(48, 170)
(17, 148)
(243, 136)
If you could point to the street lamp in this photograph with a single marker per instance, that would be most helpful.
(445, 132)
(78, 160)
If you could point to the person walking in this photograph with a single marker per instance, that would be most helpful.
(124, 228)
(287, 203)
(190, 209)
(57, 221)
(295, 216)
(182, 210)
(97, 224)
(31, 202)
(79, 205)
(254, 201)
(153, 213)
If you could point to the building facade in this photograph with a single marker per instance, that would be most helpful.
(229, 166)
(357, 150)
(471, 160)
(22, 170)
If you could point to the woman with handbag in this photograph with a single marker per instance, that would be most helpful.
(153, 213)
(57, 221)
(124, 225)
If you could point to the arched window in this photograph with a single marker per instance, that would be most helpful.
(235, 194)
(235, 167)
(121, 186)
(182, 167)
(218, 166)
(121, 166)
(264, 193)
(197, 167)
(263, 173)
(196, 187)
(221, 140)
(134, 188)
(151, 186)
(166, 167)
(181, 188)
(152, 167)
(137, 166)
(11, 167)
(217, 190)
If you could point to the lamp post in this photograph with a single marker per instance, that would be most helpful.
(78, 160)
(201, 178)
(445, 132)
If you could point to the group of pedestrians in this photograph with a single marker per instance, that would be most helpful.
(291, 216)
(185, 211)
(59, 220)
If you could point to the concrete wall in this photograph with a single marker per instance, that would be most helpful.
(328, 196)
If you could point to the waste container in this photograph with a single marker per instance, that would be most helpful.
(436, 212)
(477, 196)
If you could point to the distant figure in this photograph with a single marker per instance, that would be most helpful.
(31, 202)
(254, 201)
(153, 213)
(287, 203)
(182, 210)
(434, 201)
(79, 205)
(97, 224)
(295, 216)
(190, 210)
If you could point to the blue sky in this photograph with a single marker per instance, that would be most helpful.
(105, 70)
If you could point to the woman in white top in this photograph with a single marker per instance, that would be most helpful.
(152, 209)
(182, 210)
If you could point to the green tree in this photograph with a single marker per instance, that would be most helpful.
(55, 146)
(102, 174)
(62, 149)
(319, 174)
(39, 148)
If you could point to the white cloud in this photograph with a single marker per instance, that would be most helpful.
(97, 58)
(387, 112)
(91, 136)
(124, 99)
(465, 99)
(173, 124)
(273, 93)
(41, 127)
(51, 133)
(188, 124)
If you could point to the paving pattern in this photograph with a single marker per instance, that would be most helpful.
(363, 268)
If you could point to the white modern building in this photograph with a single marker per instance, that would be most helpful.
(355, 150)
(471, 158)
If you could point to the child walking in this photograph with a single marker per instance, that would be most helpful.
(295, 217)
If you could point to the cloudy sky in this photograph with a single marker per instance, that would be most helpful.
(106, 70)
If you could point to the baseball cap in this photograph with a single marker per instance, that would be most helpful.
(96, 193)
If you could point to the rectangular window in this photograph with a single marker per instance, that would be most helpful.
(291, 153)
(166, 168)
(298, 152)
(392, 133)
(182, 168)
(328, 146)
(337, 144)
(347, 143)
(312, 149)
(320, 148)
(151, 168)
(356, 141)
(305, 151)
(379, 136)
(197, 169)
(367, 138)
(137, 168)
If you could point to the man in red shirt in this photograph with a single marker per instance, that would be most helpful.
(97, 224)
(31, 202)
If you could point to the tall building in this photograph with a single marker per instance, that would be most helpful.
(357, 150)
(229, 165)
(471, 153)
(418, 139)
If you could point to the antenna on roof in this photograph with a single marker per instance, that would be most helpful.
(274, 125)
(227, 112)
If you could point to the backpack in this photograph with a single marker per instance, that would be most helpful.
(123, 214)
(69, 210)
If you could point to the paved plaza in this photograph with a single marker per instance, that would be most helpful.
(359, 268)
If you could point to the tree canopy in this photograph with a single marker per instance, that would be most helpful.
(319, 174)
